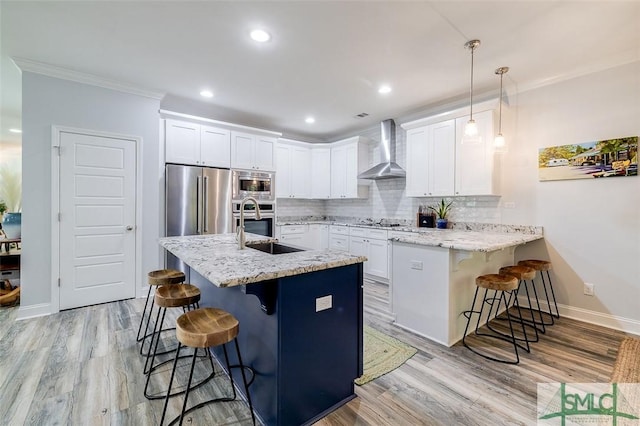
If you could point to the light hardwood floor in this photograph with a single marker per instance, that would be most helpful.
(82, 367)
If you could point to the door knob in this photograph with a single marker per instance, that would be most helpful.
(129, 228)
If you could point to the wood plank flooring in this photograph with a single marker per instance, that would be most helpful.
(82, 367)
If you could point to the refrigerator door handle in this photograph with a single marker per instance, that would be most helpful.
(205, 201)
(198, 203)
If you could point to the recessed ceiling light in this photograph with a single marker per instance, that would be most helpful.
(260, 36)
(206, 94)
(384, 89)
(15, 130)
(309, 120)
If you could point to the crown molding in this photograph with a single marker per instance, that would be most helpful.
(80, 77)
(620, 61)
(231, 126)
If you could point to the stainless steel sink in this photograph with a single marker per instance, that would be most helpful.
(273, 248)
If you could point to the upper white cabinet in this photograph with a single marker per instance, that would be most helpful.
(293, 163)
(430, 160)
(474, 162)
(321, 172)
(439, 164)
(349, 157)
(252, 152)
(195, 144)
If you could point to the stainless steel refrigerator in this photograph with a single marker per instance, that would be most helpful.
(198, 201)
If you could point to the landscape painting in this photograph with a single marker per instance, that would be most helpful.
(589, 160)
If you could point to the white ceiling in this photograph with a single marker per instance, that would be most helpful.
(325, 59)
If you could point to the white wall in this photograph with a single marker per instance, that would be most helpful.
(592, 227)
(50, 101)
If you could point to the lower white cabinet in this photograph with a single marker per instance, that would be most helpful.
(373, 244)
(339, 237)
(318, 236)
(314, 236)
(295, 235)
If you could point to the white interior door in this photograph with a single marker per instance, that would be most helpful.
(97, 219)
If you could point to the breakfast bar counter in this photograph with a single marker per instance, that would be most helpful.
(434, 272)
(300, 316)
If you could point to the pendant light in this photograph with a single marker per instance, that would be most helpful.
(499, 143)
(471, 128)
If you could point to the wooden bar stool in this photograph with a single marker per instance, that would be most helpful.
(156, 279)
(500, 284)
(207, 328)
(184, 296)
(524, 274)
(544, 266)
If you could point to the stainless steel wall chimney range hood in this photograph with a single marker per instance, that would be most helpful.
(387, 168)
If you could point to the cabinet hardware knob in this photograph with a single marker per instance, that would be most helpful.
(129, 228)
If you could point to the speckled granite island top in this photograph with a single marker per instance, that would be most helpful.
(467, 240)
(218, 259)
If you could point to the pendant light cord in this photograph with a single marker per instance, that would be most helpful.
(471, 92)
(500, 119)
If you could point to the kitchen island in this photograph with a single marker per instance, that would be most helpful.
(300, 317)
(433, 277)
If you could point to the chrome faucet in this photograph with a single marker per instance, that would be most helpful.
(240, 231)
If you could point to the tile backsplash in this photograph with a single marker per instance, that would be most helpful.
(387, 201)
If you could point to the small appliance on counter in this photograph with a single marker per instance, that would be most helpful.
(426, 219)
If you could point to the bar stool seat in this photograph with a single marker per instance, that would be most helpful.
(524, 274)
(186, 296)
(157, 278)
(500, 284)
(544, 266)
(207, 328)
(177, 296)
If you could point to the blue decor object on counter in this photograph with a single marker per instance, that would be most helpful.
(12, 225)
(441, 223)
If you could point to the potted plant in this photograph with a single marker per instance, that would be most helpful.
(3, 208)
(441, 210)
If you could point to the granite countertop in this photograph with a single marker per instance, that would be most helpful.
(483, 237)
(467, 240)
(218, 259)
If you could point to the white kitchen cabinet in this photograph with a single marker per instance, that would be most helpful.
(252, 152)
(318, 236)
(296, 235)
(195, 144)
(373, 244)
(312, 236)
(377, 253)
(439, 164)
(349, 158)
(339, 237)
(293, 165)
(431, 160)
(474, 162)
(321, 172)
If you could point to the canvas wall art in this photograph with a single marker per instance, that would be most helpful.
(589, 160)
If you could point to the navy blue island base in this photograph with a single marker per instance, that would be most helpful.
(305, 358)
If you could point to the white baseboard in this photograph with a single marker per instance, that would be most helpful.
(615, 322)
(628, 325)
(33, 311)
